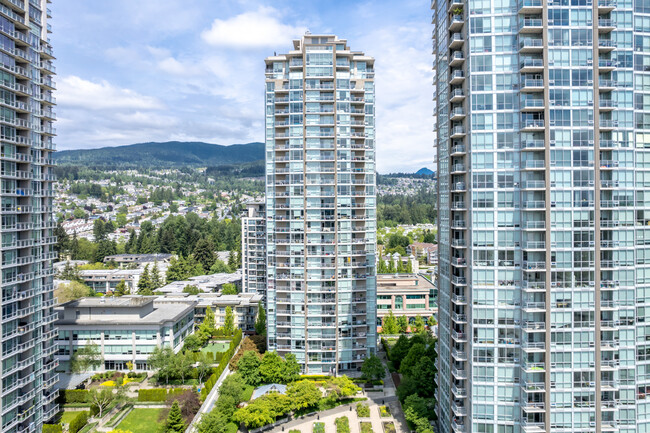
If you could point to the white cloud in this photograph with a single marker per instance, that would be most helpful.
(253, 29)
(76, 92)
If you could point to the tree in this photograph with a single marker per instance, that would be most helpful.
(263, 411)
(372, 368)
(409, 267)
(86, 358)
(104, 248)
(129, 365)
(232, 260)
(229, 289)
(156, 279)
(121, 289)
(181, 365)
(415, 353)
(204, 253)
(121, 219)
(291, 368)
(418, 325)
(303, 394)
(402, 324)
(212, 422)
(191, 289)
(431, 322)
(272, 368)
(399, 351)
(102, 398)
(175, 423)
(429, 237)
(160, 361)
(389, 325)
(70, 273)
(208, 327)
(98, 230)
(192, 343)
(73, 290)
(220, 267)
(260, 322)
(229, 322)
(62, 239)
(175, 270)
(144, 283)
(203, 367)
(249, 368)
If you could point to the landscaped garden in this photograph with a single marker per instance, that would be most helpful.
(141, 420)
(366, 427)
(363, 411)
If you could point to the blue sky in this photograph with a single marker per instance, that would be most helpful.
(158, 70)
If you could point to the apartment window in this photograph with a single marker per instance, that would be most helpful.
(482, 161)
(482, 102)
(558, 37)
(480, 25)
(558, 17)
(559, 77)
(483, 180)
(560, 98)
(581, 57)
(480, 44)
(483, 199)
(482, 141)
(484, 82)
(506, 24)
(482, 121)
(482, 63)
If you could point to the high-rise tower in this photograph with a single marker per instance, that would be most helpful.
(253, 251)
(321, 204)
(544, 210)
(26, 116)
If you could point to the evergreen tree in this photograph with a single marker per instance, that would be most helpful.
(175, 271)
(74, 246)
(409, 267)
(391, 266)
(204, 253)
(229, 322)
(418, 325)
(400, 266)
(156, 279)
(260, 323)
(232, 260)
(131, 245)
(175, 423)
(121, 289)
(382, 268)
(104, 248)
(208, 327)
(62, 239)
(144, 283)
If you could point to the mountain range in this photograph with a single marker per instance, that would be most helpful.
(166, 154)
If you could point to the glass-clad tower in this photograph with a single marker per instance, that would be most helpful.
(543, 111)
(26, 116)
(321, 204)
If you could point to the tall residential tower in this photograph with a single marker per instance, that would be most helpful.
(543, 112)
(26, 116)
(321, 204)
(253, 250)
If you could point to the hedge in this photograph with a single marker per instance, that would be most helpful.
(315, 377)
(155, 394)
(52, 428)
(78, 422)
(77, 396)
(342, 425)
(223, 363)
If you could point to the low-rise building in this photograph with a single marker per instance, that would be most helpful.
(205, 283)
(124, 260)
(407, 295)
(425, 251)
(244, 307)
(106, 280)
(125, 329)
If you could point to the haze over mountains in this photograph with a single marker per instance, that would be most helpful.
(166, 154)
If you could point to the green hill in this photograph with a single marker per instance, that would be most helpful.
(171, 153)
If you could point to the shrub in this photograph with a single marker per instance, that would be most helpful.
(156, 394)
(78, 422)
(294, 431)
(366, 427)
(52, 428)
(384, 411)
(318, 427)
(342, 425)
(363, 411)
(389, 427)
(77, 396)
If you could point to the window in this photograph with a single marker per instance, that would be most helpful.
(480, 25)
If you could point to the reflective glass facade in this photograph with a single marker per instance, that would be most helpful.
(26, 133)
(541, 109)
(321, 204)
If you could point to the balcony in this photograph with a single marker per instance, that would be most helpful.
(459, 318)
(532, 104)
(459, 281)
(531, 45)
(458, 168)
(530, 326)
(457, 132)
(458, 205)
(458, 187)
(534, 184)
(531, 65)
(531, 25)
(534, 164)
(456, 22)
(533, 346)
(456, 41)
(459, 262)
(606, 6)
(456, 95)
(607, 105)
(457, 58)
(531, 6)
(532, 85)
(535, 245)
(532, 307)
(606, 85)
(532, 407)
(532, 145)
(460, 337)
(607, 125)
(458, 149)
(606, 25)
(606, 65)
(457, 77)
(532, 125)
(459, 300)
(457, 113)
(534, 265)
(606, 45)
(534, 205)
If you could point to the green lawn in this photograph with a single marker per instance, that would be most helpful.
(141, 421)
(216, 347)
(68, 416)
